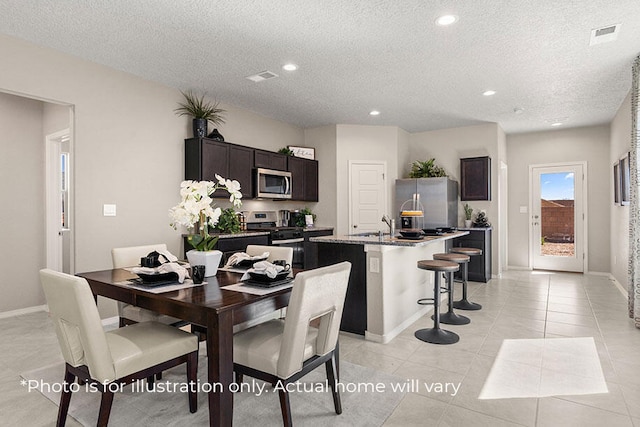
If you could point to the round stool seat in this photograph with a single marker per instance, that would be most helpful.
(467, 251)
(438, 265)
(458, 258)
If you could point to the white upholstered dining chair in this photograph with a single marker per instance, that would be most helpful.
(129, 314)
(275, 253)
(121, 356)
(284, 351)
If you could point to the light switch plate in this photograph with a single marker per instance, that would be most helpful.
(374, 265)
(523, 209)
(109, 210)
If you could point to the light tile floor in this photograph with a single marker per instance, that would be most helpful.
(520, 305)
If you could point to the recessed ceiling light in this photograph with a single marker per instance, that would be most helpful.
(489, 92)
(556, 124)
(518, 110)
(289, 67)
(374, 113)
(445, 20)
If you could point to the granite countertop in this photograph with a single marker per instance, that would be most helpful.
(241, 234)
(374, 239)
(474, 228)
(318, 228)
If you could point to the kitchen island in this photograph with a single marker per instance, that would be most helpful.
(385, 282)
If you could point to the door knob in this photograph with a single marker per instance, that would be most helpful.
(355, 225)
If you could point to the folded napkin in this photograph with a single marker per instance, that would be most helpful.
(263, 267)
(169, 256)
(168, 267)
(242, 256)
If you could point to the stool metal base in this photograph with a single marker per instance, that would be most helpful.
(464, 304)
(437, 336)
(451, 318)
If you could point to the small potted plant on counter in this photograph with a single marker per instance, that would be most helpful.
(468, 211)
(301, 218)
(228, 222)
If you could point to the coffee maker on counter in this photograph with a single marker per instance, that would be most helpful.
(284, 216)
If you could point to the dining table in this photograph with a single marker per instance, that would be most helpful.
(207, 306)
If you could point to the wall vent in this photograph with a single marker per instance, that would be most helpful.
(604, 34)
(262, 76)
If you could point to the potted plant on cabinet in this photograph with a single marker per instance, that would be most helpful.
(196, 207)
(201, 111)
(426, 169)
(468, 211)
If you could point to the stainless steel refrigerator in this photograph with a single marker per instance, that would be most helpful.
(437, 196)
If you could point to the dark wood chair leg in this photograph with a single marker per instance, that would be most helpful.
(150, 382)
(159, 376)
(105, 408)
(332, 375)
(192, 379)
(122, 323)
(65, 397)
(285, 408)
(239, 378)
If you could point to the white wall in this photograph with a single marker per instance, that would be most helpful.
(129, 150)
(355, 142)
(448, 146)
(590, 144)
(23, 202)
(619, 234)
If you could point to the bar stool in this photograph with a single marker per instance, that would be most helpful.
(464, 303)
(451, 318)
(436, 335)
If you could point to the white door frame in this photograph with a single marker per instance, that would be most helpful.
(54, 247)
(386, 192)
(583, 164)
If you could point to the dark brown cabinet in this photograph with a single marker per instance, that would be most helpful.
(311, 248)
(270, 160)
(479, 266)
(475, 178)
(204, 158)
(304, 179)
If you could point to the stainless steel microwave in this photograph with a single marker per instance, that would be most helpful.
(272, 184)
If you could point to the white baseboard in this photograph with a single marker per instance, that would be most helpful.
(396, 331)
(621, 288)
(599, 273)
(27, 310)
(518, 267)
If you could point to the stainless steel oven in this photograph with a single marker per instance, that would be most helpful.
(290, 237)
(272, 184)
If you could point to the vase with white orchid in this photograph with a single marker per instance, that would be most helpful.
(197, 207)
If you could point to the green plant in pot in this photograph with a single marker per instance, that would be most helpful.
(228, 222)
(300, 220)
(202, 112)
(468, 211)
(426, 169)
(286, 151)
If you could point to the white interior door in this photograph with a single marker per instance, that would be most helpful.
(368, 196)
(557, 217)
(58, 211)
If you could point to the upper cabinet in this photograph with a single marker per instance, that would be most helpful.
(304, 179)
(204, 158)
(269, 160)
(475, 178)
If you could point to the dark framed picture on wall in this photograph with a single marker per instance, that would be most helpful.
(625, 175)
(616, 183)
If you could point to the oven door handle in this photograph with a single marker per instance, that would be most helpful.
(287, 241)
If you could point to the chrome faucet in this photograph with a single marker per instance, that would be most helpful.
(391, 223)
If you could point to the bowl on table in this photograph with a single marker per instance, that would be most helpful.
(411, 233)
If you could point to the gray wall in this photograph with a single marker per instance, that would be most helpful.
(590, 144)
(619, 236)
(22, 252)
(128, 150)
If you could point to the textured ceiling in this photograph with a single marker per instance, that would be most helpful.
(359, 55)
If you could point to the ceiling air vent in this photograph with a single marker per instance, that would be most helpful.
(604, 34)
(262, 76)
